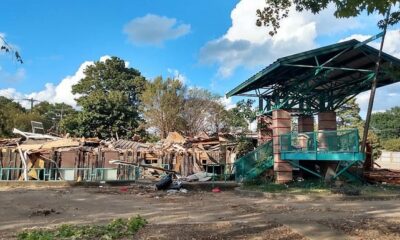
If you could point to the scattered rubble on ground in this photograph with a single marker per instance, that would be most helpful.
(87, 159)
(383, 176)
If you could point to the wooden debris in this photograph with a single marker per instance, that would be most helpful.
(383, 176)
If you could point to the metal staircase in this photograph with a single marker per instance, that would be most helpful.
(254, 163)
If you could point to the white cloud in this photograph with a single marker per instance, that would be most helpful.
(60, 93)
(104, 58)
(11, 93)
(227, 102)
(253, 126)
(154, 30)
(391, 45)
(176, 74)
(246, 45)
(385, 98)
(388, 96)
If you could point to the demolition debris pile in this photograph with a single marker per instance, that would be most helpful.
(45, 157)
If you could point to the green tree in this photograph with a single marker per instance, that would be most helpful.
(392, 144)
(199, 112)
(52, 114)
(109, 97)
(162, 104)
(348, 115)
(387, 124)
(276, 10)
(219, 118)
(242, 115)
(13, 115)
(8, 111)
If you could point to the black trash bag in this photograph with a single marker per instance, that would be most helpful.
(164, 183)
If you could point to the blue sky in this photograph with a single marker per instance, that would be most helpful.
(210, 44)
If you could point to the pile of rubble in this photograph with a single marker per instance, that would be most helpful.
(77, 159)
(383, 176)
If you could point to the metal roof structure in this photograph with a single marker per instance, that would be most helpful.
(317, 80)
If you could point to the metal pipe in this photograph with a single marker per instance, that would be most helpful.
(23, 162)
(373, 87)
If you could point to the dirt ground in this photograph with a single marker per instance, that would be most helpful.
(200, 215)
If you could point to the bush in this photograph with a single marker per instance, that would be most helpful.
(116, 229)
(392, 145)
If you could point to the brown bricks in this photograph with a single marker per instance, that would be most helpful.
(281, 124)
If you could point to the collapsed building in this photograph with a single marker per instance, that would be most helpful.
(44, 157)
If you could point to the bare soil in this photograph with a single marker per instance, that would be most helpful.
(200, 215)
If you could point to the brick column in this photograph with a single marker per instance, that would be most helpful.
(264, 129)
(327, 141)
(281, 123)
(305, 124)
(327, 122)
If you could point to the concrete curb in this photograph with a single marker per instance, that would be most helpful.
(310, 197)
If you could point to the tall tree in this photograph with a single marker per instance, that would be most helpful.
(162, 105)
(276, 10)
(198, 110)
(109, 97)
(219, 119)
(242, 115)
(348, 115)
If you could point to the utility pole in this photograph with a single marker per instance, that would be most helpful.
(374, 83)
(32, 101)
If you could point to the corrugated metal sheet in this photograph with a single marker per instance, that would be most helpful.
(126, 144)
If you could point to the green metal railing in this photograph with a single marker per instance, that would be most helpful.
(72, 174)
(321, 141)
(253, 164)
(340, 145)
(225, 173)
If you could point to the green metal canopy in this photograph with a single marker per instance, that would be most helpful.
(319, 79)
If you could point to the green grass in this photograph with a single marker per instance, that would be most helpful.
(303, 187)
(320, 187)
(116, 229)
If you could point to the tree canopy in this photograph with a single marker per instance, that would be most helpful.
(109, 97)
(242, 115)
(162, 102)
(276, 10)
(387, 124)
(348, 115)
(13, 115)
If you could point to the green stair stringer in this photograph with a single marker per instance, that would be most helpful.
(255, 163)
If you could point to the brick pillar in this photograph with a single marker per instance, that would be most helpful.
(327, 141)
(264, 129)
(327, 121)
(305, 124)
(281, 123)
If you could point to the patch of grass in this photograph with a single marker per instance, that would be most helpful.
(321, 187)
(302, 187)
(380, 190)
(116, 229)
